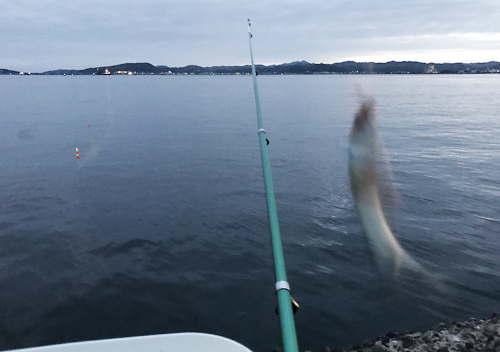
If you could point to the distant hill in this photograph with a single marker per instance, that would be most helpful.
(141, 67)
(62, 72)
(296, 67)
(4, 71)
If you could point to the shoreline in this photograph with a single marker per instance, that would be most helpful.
(464, 336)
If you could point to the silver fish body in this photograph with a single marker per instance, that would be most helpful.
(363, 151)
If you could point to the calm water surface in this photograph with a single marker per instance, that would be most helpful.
(161, 224)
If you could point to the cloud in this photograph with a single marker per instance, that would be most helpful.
(49, 34)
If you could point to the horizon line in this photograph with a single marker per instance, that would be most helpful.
(265, 65)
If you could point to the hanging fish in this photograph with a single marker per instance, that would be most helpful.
(363, 149)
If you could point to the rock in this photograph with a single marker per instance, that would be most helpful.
(385, 340)
(495, 345)
(408, 341)
(441, 327)
(426, 338)
(377, 348)
(466, 336)
(390, 335)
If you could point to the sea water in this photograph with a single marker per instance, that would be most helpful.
(160, 226)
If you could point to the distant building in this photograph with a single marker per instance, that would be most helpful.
(430, 69)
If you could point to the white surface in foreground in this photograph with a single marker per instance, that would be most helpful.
(182, 342)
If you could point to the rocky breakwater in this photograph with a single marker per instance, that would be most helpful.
(473, 335)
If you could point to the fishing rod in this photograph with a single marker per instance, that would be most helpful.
(285, 301)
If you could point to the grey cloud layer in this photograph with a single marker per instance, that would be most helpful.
(45, 34)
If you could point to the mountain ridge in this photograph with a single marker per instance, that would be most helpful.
(295, 67)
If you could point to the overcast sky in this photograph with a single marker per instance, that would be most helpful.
(40, 35)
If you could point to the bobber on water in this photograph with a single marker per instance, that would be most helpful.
(77, 155)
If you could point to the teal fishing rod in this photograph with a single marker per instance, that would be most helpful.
(285, 311)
